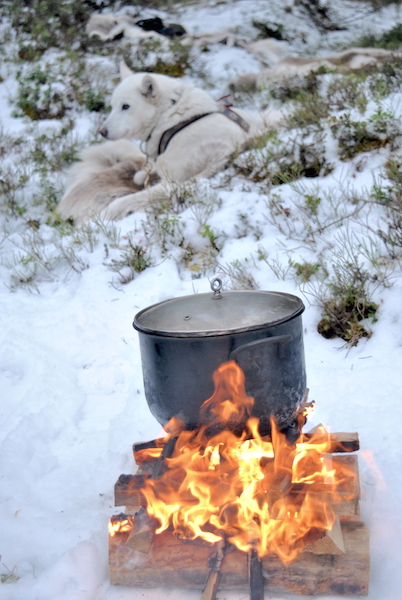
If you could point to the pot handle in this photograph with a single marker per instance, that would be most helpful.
(277, 339)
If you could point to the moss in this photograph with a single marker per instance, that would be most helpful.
(342, 318)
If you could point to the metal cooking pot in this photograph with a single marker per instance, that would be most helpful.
(184, 340)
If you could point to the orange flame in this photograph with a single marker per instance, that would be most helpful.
(120, 524)
(225, 480)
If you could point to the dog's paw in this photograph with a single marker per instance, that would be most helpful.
(114, 213)
(124, 206)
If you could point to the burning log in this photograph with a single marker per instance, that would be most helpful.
(146, 453)
(171, 563)
(142, 534)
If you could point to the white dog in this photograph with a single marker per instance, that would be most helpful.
(105, 172)
(186, 133)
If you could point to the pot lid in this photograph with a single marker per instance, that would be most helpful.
(202, 315)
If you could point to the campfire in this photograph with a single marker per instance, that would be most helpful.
(223, 506)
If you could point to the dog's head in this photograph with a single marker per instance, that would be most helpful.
(138, 102)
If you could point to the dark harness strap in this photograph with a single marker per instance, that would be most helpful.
(223, 108)
(169, 133)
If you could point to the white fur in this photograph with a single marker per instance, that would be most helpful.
(105, 172)
(145, 105)
(291, 66)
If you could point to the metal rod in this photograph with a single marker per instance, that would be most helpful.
(215, 563)
(255, 576)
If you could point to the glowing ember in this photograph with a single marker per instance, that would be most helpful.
(225, 481)
(121, 524)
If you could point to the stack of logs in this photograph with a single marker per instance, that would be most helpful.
(337, 563)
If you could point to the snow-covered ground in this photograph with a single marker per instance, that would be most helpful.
(72, 400)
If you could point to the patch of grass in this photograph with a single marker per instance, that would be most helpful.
(386, 79)
(10, 577)
(44, 24)
(389, 40)
(133, 259)
(283, 162)
(246, 227)
(347, 91)
(165, 56)
(345, 298)
(389, 196)
(312, 203)
(296, 88)
(178, 64)
(94, 100)
(164, 227)
(41, 95)
(362, 136)
(54, 152)
(269, 29)
(305, 270)
(378, 4)
(341, 318)
(308, 113)
(50, 91)
(13, 179)
(239, 275)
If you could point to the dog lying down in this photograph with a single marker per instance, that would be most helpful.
(186, 135)
(104, 172)
(292, 66)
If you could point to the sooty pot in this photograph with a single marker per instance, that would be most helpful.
(184, 340)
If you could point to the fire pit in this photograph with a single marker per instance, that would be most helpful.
(220, 503)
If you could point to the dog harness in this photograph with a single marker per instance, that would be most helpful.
(224, 105)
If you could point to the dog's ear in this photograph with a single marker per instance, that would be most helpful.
(149, 88)
(125, 71)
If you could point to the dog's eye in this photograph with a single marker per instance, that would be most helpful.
(125, 107)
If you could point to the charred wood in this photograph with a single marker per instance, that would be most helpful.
(127, 490)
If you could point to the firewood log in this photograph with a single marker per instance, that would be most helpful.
(170, 563)
(142, 534)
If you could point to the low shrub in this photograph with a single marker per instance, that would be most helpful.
(362, 136)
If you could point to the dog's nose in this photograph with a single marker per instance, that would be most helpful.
(103, 131)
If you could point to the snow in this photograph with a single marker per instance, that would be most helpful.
(72, 399)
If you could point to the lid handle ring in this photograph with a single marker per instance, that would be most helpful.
(216, 286)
